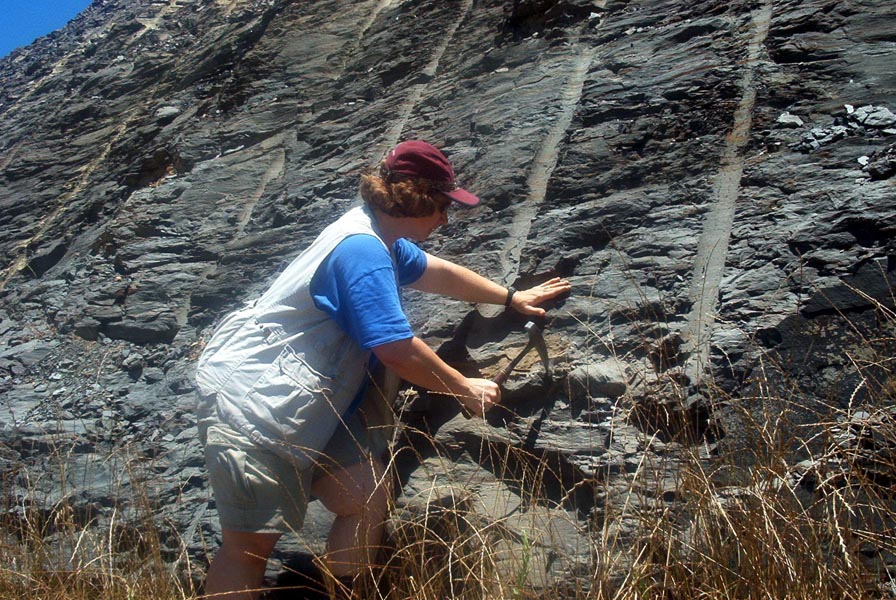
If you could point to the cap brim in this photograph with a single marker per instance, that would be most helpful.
(462, 196)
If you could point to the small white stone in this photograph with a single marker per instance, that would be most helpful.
(788, 120)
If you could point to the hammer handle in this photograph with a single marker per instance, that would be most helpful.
(504, 373)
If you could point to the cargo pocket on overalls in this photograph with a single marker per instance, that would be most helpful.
(289, 384)
(227, 474)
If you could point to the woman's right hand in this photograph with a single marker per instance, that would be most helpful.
(483, 394)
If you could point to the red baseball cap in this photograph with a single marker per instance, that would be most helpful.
(416, 158)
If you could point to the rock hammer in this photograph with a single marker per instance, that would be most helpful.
(536, 340)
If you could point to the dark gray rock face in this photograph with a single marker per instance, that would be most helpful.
(715, 178)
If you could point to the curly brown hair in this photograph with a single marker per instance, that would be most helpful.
(401, 196)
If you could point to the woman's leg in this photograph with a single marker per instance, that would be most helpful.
(237, 572)
(359, 495)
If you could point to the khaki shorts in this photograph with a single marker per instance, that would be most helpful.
(259, 491)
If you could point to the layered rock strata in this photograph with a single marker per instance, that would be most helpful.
(715, 178)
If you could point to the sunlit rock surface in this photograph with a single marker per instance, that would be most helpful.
(715, 178)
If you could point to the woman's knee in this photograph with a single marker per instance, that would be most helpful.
(361, 487)
(247, 546)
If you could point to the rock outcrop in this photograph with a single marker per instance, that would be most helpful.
(715, 178)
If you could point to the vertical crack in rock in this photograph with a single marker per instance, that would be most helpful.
(543, 166)
(351, 50)
(152, 23)
(277, 167)
(4, 161)
(380, 7)
(60, 67)
(228, 5)
(712, 248)
(275, 171)
(65, 203)
(416, 91)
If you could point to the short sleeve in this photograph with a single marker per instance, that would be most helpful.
(357, 286)
(411, 261)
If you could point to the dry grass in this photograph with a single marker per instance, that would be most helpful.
(63, 550)
(785, 512)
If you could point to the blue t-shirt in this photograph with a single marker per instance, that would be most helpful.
(357, 286)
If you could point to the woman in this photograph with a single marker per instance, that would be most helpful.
(280, 378)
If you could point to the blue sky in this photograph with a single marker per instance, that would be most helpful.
(23, 21)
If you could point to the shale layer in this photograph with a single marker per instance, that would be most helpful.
(714, 177)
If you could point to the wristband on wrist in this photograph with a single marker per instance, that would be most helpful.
(510, 292)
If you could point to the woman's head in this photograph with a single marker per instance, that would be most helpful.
(401, 196)
(415, 180)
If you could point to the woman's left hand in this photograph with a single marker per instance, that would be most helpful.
(526, 301)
